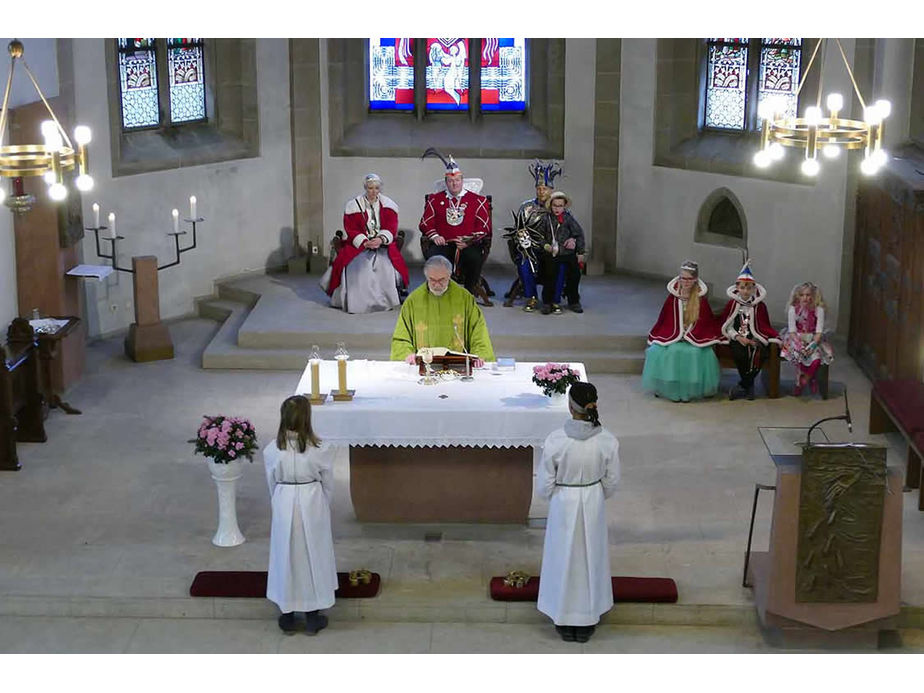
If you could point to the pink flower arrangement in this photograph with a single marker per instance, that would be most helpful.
(555, 378)
(226, 438)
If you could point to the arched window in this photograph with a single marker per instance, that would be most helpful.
(721, 220)
(145, 66)
(741, 73)
(449, 74)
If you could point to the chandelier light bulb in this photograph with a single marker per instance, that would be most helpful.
(765, 109)
(57, 192)
(872, 115)
(811, 167)
(82, 134)
(84, 182)
(868, 166)
(777, 152)
(813, 115)
(835, 102)
(50, 177)
(879, 157)
(831, 151)
(884, 106)
(48, 128)
(762, 159)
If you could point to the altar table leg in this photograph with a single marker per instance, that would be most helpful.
(449, 484)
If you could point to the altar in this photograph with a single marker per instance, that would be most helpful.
(454, 451)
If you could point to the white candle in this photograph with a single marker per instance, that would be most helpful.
(192, 206)
(95, 215)
(176, 221)
(112, 233)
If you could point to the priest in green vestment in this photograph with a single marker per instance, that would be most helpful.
(440, 313)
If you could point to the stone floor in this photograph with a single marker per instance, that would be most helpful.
(108, 522)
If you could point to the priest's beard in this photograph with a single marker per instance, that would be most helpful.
(438, 293)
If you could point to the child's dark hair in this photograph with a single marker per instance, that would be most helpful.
(295, 417)
(585, 396)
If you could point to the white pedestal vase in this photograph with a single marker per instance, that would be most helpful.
(226, 476)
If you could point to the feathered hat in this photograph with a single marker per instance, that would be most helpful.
(451, 166)
(545, 174)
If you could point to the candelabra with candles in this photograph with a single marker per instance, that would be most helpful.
(148, 338)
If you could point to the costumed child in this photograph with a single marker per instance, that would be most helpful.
(679, 361)
(804, 342)
(746, 322)
(578, 472)
(299, 470)
(560, 265)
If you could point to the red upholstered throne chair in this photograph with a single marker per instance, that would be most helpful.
(482, 288)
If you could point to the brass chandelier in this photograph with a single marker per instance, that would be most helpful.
(51, 159)
(815, 132)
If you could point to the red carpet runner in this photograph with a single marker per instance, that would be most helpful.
(625, 589)
(252, 584)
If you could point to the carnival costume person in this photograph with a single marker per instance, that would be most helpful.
(679, 361)
(746, 323)
(457, 222)
(804, 342)
(368, 271)
(299, 470)
(578, 472)
(564, 253)
(526, 239)
(440, 313)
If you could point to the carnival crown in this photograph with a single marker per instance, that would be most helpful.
(544, 174)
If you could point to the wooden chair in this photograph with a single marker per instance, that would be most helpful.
(770, 368)
(482, 288)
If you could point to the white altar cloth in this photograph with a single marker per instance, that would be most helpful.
(498, 409)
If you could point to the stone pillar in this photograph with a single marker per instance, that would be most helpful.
(148, 338)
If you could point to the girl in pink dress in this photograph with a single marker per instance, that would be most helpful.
(804, 342)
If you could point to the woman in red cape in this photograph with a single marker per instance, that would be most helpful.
(679, 362)
(368, 270)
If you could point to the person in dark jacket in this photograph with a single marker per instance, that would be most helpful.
(561, 263)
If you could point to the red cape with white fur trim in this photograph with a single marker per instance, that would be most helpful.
(354, 224)
(667, 330)
(760, 316)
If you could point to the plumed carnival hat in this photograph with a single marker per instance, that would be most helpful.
(745, 274)
(452, 167)
(545, 174)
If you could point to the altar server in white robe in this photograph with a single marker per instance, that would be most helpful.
(299, 470)
(579, 470)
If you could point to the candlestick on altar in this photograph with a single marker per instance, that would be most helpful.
(315, 362)
(192, 208)
(96, 215)
(342, 394)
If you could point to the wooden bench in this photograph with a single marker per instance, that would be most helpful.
(898, 406)
(22, 406)
(770, 368)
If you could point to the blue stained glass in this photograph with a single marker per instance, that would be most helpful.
(187, 81)
(503, 74)
(391, 74)
(447, 74)
(138, 83)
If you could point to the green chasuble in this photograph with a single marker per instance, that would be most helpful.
(438, 321)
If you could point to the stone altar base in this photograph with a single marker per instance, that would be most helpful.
(452, 484)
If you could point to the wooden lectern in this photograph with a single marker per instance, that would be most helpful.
(832, 574)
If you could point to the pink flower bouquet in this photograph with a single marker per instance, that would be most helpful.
(555, 378)
(226, 438)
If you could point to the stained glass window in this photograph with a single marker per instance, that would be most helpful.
(391, 74)
(726, 84)
(503, 74)
(138, 81)
(780, 59)
(187, 80)
(447, 74)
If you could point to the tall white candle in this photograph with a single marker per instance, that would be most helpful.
(112, 233)
(95, 215)
(192, 207)
(176, 221)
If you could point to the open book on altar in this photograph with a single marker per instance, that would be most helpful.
(444, 359)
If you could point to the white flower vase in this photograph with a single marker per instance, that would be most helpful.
(226, 476)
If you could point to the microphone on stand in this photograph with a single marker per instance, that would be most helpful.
(847, 408)
(843, 417)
